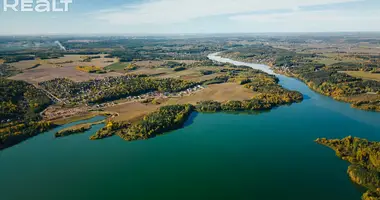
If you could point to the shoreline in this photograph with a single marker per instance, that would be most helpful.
(280, 73)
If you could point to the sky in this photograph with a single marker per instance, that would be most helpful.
(195, 16)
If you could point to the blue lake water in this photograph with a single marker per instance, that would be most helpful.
(265, 156)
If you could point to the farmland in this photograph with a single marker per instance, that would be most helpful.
(64, 67)
(128, 80)
(345, 71)
(40, 75)
(364, 75)
(217, 92)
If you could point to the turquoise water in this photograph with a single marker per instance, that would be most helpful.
(268, 156)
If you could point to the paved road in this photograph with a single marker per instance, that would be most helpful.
(52, 97)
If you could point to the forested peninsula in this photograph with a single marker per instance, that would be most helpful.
(364, 157)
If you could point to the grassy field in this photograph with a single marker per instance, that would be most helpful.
(131, 111)
(191, 74)
(364, 75)
(362, 97)
(90, 69)
(77, 60)
(25, 64)
(80, 117)
(39, 75)
(68, 120)
(158, 72)
(332, 58)
(66, 61)
(218, 92)
(64, 67)
(119, 66)
(156, 63)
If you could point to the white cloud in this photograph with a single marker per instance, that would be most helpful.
(173, 11)
(328, 20)
(310, 16)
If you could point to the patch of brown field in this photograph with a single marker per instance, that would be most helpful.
(76, 60)
(333, 48)
(364, 75)
(332, 60)
(65, 58)
(194, 74)
(65, 61)
(79, 117)
(365, 49)
(184, 61)
(102, 62)
(155, 63)
(48, 63)
(361, 97)
(191, 74)
(188, 72)
(131, 111)
(217, 92)
(199, 78)
(151, 71)
(25, 64)
(56, 112)
(149, 63)
(2, 61)
(41, 74)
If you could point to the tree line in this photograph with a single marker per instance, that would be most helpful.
(364, 157)
(20, 104)
(112, 88)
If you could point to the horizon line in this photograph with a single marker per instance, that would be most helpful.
(182, 34)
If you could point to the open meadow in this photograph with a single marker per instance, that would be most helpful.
(64, 67)
(132, 111)
(40, 75)
(217, 92)
(364, 75)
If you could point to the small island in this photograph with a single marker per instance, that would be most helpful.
(77, 129)
(364, 157)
